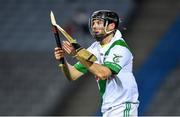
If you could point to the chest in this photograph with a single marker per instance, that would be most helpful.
(101, 55)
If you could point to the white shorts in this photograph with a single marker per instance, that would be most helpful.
(124, 110)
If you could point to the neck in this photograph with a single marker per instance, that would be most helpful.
(107, 39)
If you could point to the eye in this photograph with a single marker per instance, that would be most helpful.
(99, 22)
(94, 22)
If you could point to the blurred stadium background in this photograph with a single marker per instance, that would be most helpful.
(31, 83)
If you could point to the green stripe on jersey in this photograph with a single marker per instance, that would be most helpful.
(115, 68)
(80, 67)
(102, 86)
(126, 112)
(118, 42)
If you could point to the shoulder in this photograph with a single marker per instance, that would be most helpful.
(118, 45)
(93, 46)
(120, 42)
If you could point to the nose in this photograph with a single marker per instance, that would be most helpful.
(94, 26)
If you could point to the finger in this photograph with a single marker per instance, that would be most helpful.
(67, 44)
(57, 48)
(58, 57)
(66, 49)
(58, 53)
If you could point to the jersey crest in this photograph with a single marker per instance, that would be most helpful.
(116, 58)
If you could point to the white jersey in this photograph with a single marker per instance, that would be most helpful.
(121, 86)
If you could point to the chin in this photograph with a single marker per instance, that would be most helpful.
(98, 38)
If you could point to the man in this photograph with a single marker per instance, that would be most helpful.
(112, 67)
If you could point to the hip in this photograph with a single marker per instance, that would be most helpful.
(123, 110)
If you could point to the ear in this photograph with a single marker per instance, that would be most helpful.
(111, 26)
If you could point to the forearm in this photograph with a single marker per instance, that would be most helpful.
(87, 59)
(98, 70)
(69, 71)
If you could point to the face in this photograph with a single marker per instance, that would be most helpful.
(99, 30)
(98, 27)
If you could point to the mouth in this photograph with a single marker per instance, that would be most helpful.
(96, 32)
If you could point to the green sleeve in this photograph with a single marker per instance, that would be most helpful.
(80, 67)
(115, 68)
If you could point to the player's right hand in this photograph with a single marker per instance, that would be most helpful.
(58, 53)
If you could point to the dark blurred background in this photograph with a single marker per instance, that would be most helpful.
(31, 82)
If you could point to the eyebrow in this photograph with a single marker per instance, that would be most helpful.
(97, 20)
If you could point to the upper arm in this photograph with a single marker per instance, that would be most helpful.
(117, 58)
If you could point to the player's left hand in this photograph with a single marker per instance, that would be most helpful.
(68, 48)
